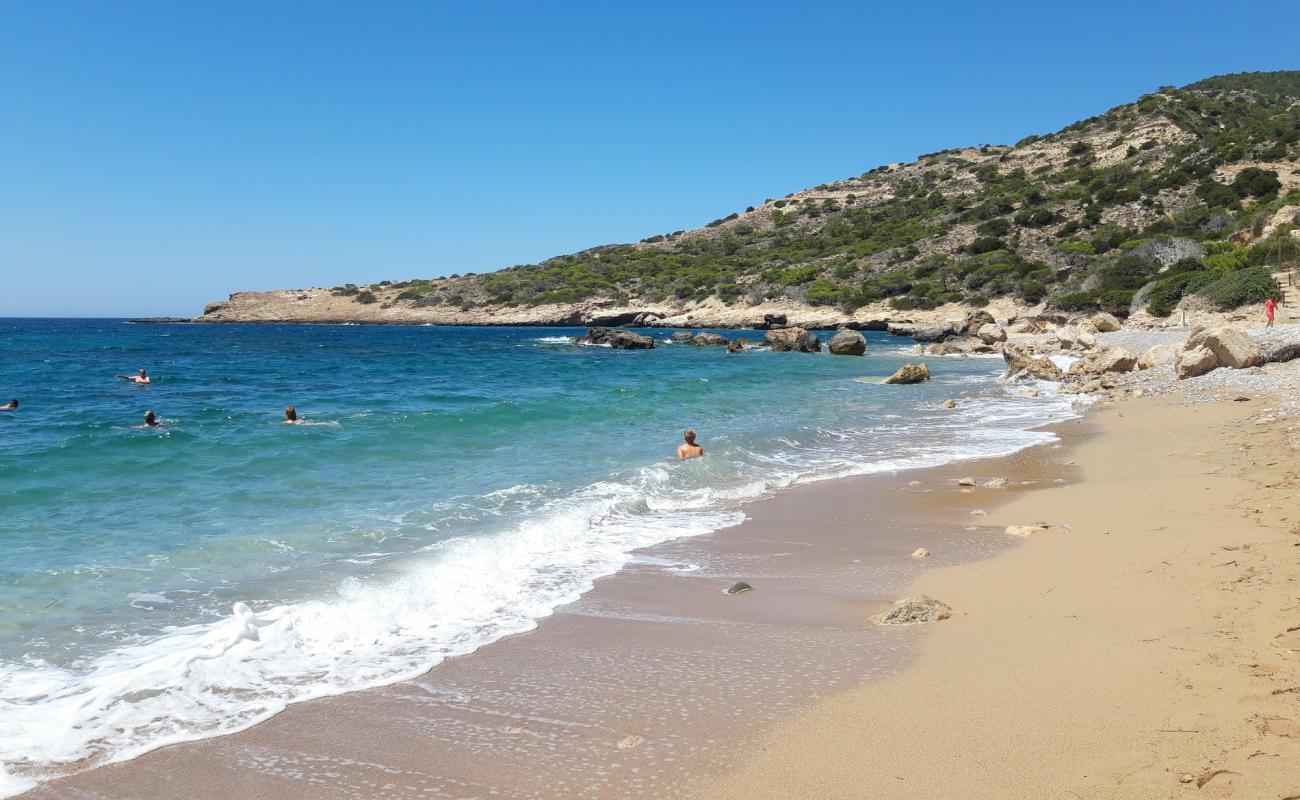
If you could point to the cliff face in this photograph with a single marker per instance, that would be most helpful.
(1168, 189)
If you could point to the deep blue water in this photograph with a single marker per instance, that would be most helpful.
(451, 486)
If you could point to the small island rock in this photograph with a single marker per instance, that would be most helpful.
(910, 373)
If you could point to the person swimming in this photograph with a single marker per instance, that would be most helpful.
(689, 449)
(139, 379)
(12, 405)
(151, 420)
(291, 416)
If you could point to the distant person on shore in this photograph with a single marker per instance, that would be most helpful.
(689, 449)
(291, 416)
(141, 378)
(12, 405)
(151, 420)
(1270, 308)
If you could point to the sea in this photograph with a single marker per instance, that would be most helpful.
(446, 488)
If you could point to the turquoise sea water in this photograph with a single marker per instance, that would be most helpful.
(451, 486)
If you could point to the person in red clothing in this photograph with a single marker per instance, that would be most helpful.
(1270, 308)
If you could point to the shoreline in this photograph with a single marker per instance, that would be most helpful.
(645, 599)
(1148, 645)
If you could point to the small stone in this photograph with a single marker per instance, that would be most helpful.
(968, 481)
(1025, 531)
(914, 611)
(629, 742)
(996, 483)
(949, 404)
(913, 483)
(920, 552)
(739, 587)
(979, 512)
(1186, 777)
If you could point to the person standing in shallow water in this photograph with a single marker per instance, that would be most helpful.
(689, 449)
(141, 378)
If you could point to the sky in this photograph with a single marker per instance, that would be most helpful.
(157, 156)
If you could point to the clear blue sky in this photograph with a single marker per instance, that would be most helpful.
(155, 156)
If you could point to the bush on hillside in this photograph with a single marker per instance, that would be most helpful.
(1252, 285)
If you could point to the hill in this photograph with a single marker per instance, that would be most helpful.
(1188, 195)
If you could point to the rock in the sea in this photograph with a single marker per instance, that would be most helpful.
(968, 481)
(1197, 361)
(709, 340)
(920, 552)
(771, 322)
(681, 336)
(910, 373)
(1102, 360)
(948, 404)
(1104, 322)
(617, 339)
(1231, 346)
(847, 343)
(739, 587)
(796, 339)
(1157, 356)
(914, 611)
(996, 483)
(1025, 531)
(1021, 361)
(735, 346)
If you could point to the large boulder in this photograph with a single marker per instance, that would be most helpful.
(1104, 322)
(847, 343)
(1197, 361)
(1231, 346)
(797, 339)
(914, 611)
(709, 340)
(617, 339)
(991, 333)
(681, 336)
(771, 322)
(970, 326)
(1103, 360)
(910, 373)
(960, 345)
(1022, 362)
(1157, 356)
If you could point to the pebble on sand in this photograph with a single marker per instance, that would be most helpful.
(920, 552)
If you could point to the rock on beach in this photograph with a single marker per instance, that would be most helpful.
(910, 373)
(914, 611)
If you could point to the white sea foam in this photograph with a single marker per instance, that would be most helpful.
(450, 598)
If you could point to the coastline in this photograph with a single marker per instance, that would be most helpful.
(1150, 649)
(817, 581)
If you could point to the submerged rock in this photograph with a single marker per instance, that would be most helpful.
(681, 336)
(792, 339)
(910, 373)
(847, 343)
(948, 404)
(735, 347)
(914, 611)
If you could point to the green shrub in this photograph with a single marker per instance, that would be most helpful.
(1253, 285)
(1166, 294)
(986, 244)
(1256, 182)
(366, 297)
(1077, 301)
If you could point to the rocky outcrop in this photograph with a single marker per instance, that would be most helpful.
(1197, 361)
(735, 346)
(1231, 346)
(914, 611)
(1105, 323)
(847, 343)
(771, 322)
(910, 373)
(787, 339)
(1021, 361)
(960, 345)
(1102, 360)
(681, 337)
(974, 321)
(709, 340)
(617, 339)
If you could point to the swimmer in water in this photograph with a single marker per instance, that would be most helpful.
(12, 405)
(689, 449)
(151, 420)
(291, 416)
(139, 379)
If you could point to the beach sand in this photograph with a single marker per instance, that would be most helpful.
(1145, 642)
(1151, 650)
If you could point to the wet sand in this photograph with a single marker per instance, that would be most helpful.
(653, 681)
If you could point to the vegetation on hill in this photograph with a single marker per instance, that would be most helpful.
(1174, 195)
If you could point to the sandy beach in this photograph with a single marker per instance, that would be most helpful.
(1149, 649)
(1142, 644)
